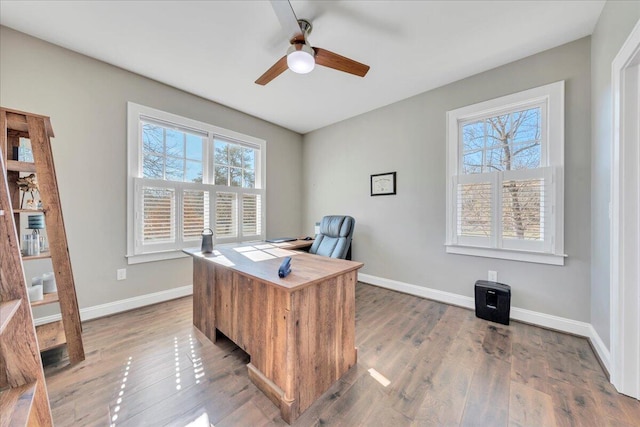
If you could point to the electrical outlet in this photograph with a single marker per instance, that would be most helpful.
(493, 276)
(121, 274)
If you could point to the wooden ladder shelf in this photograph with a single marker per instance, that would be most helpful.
(37, 129)
(23, 396)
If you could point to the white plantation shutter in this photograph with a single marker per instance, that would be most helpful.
(522, 209)
(526, 205)
(155, 227)
(507, 209)
(170, 215)
(158, 207)
(195, 213)
(251, 218)
(474, 209)
(226, 215)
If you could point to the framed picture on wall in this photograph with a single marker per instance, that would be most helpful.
(383, 184)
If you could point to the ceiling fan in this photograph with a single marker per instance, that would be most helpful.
(301, 57)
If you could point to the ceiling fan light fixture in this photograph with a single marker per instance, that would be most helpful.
(300, 58)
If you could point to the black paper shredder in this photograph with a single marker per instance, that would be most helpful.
(493, 301)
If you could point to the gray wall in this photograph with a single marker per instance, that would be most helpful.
(614, 26)
(86, 100)
(402, 237)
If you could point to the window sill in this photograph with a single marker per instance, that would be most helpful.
(155, 256)
(512, 255)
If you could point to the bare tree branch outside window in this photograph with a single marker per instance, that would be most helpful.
(504, 142)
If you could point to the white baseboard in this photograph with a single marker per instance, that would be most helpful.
(419, 291)
(536, 318)
(114, 307)
(528, 316)
(601, 349)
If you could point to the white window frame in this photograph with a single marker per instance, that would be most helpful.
(551, 251)
(136, 253)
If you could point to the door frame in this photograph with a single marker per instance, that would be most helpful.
(625, 218)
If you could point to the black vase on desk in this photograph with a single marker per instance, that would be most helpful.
(207, 241)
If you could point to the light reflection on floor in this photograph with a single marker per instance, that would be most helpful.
(198, 369)
(113, 417)
(201, 421)
(176, 353)
(198, 373)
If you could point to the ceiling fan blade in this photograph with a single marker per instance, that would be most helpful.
(273, 72)
(340, 63)
(287, 18)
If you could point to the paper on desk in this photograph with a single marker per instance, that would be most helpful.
(282, 245)
(265, 246)
(258, 255)
(281, 252)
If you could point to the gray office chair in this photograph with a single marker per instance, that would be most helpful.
(334, 239)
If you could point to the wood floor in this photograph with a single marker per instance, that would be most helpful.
(445, 367)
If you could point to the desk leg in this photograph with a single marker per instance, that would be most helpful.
(288, 408)
(204, 290)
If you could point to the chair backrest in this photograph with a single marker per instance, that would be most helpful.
(334, 239)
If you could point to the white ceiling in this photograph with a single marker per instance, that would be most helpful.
(217, 49)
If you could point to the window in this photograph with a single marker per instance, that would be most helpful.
(505, 177)
(185, 176)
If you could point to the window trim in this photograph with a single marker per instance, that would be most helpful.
(136, 113)
(552, 156)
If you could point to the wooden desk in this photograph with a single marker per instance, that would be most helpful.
(298, 330)
(297, 244)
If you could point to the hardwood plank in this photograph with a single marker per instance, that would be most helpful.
(467, 386)
(354, 405)
(312, 415)
(384, 415)
(246, 415)
(445, 401)
(389, 358)
(613, 405)
(529, 407)
(411, 387)
(497, 342)
(164, 387)
(488, 397)
(529, 367)
(218, 403)
(564, 365)
(574, 406)
(468, 343)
